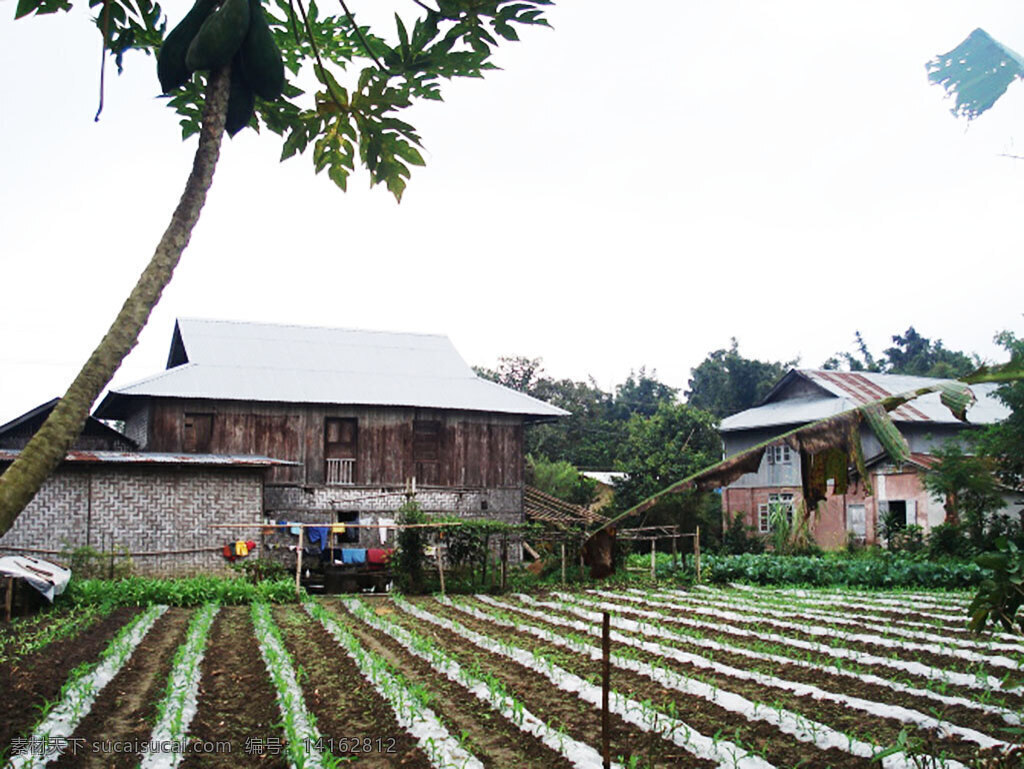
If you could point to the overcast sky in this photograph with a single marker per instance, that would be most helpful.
(633, 188)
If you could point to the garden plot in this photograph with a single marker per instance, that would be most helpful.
(926, 664)
(703, 678)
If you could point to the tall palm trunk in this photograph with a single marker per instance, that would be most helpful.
(47, 448)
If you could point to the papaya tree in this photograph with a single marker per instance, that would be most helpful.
(225, 63)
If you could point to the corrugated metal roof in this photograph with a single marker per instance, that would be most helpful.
(842, 390)
(159, 458)
(298, 364)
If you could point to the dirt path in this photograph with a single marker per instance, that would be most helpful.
(237, 712)
(348, 710)
(491, 737)
(38, 678)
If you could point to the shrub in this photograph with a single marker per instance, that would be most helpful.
(191, 591)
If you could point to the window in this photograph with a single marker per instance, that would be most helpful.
(856, 521)
(426, 451)
(775, 501)
(340, 443)
(198, 433)
(779, 455)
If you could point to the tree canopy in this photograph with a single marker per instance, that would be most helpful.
(911, 354)
(725, 382)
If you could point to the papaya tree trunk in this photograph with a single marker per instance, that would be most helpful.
(47, 448)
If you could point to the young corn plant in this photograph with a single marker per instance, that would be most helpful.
(178, 706)
(299, 728)
(83, 686)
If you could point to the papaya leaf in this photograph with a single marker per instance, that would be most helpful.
(977, 71)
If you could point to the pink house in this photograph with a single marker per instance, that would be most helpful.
(805, 395)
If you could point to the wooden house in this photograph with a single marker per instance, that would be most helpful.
(358, 416)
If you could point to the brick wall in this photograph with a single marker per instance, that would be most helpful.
(144, 510)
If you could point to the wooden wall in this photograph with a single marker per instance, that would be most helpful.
(473, 449)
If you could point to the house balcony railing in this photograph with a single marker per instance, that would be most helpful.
(341, 472)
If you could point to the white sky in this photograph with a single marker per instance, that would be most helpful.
(634, 188)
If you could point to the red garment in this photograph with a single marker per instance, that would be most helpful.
(229, 552)
(378, 555)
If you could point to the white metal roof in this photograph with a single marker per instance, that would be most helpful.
(845, 390)
(297, 364)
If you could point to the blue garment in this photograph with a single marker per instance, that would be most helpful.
(353, 555)
(319, 535)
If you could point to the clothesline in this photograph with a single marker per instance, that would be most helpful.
(333, 523)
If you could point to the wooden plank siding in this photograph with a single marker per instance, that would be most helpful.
(473, 449)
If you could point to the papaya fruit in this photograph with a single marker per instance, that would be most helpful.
(241, 100)
(170, 62)
(219, 37)
(261, 58)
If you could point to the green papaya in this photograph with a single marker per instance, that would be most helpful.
(170, 63)
(261, 58)
(219, 37)
(241, 100)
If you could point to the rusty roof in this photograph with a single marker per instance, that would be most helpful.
(160, 458)
(837, 391)
(545, 508)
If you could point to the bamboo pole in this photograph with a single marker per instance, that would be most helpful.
(298, 565)
(440, 566)
(504, 561)
(696, 553)
(675, 553)
(606, 645)
(654, 559)
(563, 563)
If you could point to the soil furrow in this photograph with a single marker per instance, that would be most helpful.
(124, 712)
(490, 737)
(236, 721)
(37, 678)
(355, 722)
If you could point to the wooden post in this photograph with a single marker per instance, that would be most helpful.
(563, 563)
(298, 563)
(654, 559)
(606, 645)
(696, 552)
(675, 553)
(9, 601)
(440, 565)
(504, 561)
(487, 557)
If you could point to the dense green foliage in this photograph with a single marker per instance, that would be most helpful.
(560, 479)
(877, 570)
(725, 382)
(1004, 442)
(1000, 596)
(911, 354)
(407, 563)
(191, 591)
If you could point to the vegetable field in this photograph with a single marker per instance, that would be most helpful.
(741, 677)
